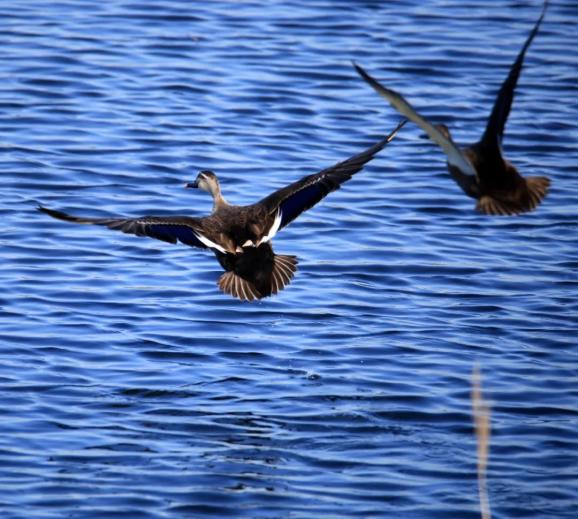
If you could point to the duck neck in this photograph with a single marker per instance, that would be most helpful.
(218, 200)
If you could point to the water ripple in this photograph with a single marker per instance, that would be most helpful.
(131, 387)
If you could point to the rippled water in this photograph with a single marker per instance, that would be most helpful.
(130, 387)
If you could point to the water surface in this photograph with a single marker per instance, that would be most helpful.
(130, 387)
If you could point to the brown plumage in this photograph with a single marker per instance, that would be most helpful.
(240, 236)
(481, 169)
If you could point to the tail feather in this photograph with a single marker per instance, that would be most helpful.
(538, 189)
(235, 285)
(522, 201)
(284, 268)
(276, 282)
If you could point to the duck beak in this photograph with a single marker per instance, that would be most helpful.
(194, 184)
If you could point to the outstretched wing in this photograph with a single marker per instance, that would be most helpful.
(299, 196)
(501, 110)
(454, 155)
(166, 228)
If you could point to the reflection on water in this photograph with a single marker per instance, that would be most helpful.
(129, 386)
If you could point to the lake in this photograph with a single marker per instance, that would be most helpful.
(131, 387)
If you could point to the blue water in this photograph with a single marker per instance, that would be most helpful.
(131, 387)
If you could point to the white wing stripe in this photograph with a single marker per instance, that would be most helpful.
(274, 228)
(209, 243)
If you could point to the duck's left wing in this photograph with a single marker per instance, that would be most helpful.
(289, 202)
(171, 229)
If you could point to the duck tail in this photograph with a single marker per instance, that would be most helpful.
(523, 201)
(537, 190)
(233, 284)
(284, 268)
(281, 274)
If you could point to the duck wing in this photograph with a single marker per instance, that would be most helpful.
(455, 156)
(171, 229)
(289, 202)
(493, 134)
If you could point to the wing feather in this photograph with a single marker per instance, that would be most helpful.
(501, 110)
(454, 155)
(299, 196)
(171, 229)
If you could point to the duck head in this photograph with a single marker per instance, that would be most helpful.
(207, 181)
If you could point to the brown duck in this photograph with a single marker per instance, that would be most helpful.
(481, 170)
(240, 236)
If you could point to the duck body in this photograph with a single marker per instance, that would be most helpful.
(252, 269)
(241, 236)
(231, 227)
(497, 185)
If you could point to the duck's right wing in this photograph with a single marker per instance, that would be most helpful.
(454, 155)
(289, 202)
(497, 121)
(171, 229)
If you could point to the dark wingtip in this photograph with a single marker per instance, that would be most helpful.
(59, 215)
(361, 71)
(399, 126)
(546, 2)
(45, 210)
(375, 84)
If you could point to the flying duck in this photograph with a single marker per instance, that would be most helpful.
(480, 169)
(240, 236)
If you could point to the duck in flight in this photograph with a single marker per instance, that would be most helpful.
(240, 236)
(481, 169)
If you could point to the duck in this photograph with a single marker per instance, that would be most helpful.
(481, 170)
(241, 236)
